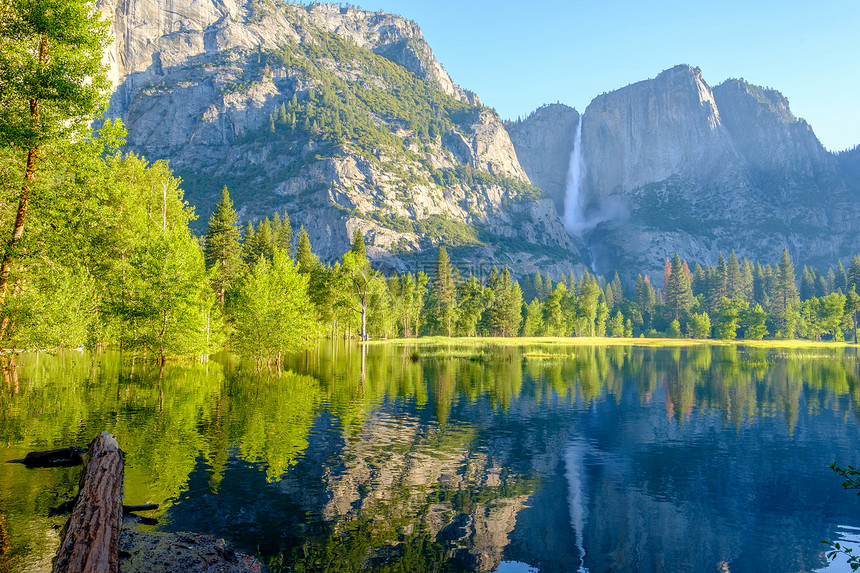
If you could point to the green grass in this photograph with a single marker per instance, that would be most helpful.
(605, 341)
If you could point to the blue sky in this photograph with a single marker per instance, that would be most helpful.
(519, 55)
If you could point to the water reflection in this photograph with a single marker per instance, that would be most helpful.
(458, 457)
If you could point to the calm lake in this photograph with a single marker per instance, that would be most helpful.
(428, 458)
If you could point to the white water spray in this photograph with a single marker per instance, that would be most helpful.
(574, 462)
(573, 217)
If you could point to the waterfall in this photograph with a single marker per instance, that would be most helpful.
(574, 462)
(573, 216)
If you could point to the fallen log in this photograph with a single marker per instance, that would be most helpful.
(66, 507)
(90, 542)
(126, 509)
(64, 457)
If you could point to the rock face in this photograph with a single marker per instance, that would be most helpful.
(344, 119)
(544, 143)
(341, 117)
(673, 165)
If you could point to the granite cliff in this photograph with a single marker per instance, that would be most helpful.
(672, 164)
(339, 116)
(345, 119)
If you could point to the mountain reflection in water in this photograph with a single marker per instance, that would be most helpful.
(453, 458)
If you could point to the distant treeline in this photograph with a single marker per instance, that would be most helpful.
(733, 299)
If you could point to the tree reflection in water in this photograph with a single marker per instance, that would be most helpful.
(450, 458)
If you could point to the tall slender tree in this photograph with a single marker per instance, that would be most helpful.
(442, 302)
(222, 251)
(785, 295)
(53, 83)
(679, 295)
(306, 260)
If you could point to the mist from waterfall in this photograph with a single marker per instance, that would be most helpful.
(574, 461)
(574, 219)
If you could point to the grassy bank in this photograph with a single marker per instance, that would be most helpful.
(605, 341)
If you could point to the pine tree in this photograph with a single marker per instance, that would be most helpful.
(841, 280)
(734, 280)
(357, 245)
(473, 298)
(747, 274)
(505, 313)
(718, 284)
(679, 295)
(617, 290)
(222, 251)
(785, 295)
(854, 273)
(538, 287)
(587, 301)
(532, 321)
(554, 323)
(249, 241)
(306, 260)
(442, 300)
(616, 325)
(282, 231)
(807, 283)
(547, 286)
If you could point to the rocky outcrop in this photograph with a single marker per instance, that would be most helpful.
(779, 145)
(652, 130)
(673, 165)
(544, 143)
(245, 94)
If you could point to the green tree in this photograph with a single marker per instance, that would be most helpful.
(699, 325)
(679, 295)
(532, 322)
(159, 295)
(587, 301)
(646, 299)
(361, 278)
(616, 325)
(222, 250)
(271, 313)
(734, 277)
(674, 330)
(505, 312)
(852, 306)
(554, 323)
(785, 295)
(602, 317)
(53, 83)
(754, 322)
(728, 318)
(282, 231)
(306, 260)
(442, 307)
(473, 299)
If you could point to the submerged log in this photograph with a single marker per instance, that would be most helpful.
(63, 457)
(92, 534)
(126, 509)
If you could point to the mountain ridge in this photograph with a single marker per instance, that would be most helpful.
(340, 116)
(345, 119)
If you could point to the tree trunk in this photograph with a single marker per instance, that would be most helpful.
(92, 534)
(24, 201)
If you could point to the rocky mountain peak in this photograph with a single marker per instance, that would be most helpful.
(340, 116)
(650, 130)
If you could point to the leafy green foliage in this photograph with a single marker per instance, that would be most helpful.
(270, 311)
